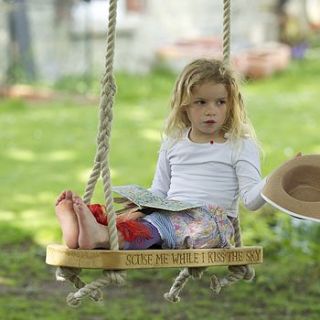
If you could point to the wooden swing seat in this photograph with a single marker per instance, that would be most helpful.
(60, 255)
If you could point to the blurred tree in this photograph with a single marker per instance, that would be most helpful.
(21, 62)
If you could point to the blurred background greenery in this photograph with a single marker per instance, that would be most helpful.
(47, 145)
(51, 59)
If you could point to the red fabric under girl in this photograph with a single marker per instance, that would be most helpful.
(131, 230)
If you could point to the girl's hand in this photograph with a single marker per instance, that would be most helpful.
(130, 214)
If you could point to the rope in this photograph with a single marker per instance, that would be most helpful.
(101, 162)
(226, 30)
(71, 274)
(101, 168)
(116, 277)
(236, 273)
(185, 274)
(180, 281)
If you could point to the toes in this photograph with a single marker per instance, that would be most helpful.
(75, 198)
(69, 195)
(65, 195)
(77, 201)
(61, 197)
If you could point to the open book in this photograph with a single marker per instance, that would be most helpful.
(142, 198)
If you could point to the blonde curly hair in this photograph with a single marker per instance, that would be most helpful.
(200, 71)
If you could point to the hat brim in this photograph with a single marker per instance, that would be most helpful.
(294, 188)
(293, 214)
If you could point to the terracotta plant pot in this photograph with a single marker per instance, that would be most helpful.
(260, 62)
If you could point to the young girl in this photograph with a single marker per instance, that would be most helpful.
(209, 158)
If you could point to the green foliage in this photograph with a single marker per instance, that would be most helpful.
(284, 112)
(48, 146)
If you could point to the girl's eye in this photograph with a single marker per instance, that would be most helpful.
(221, 102)
(200, 102)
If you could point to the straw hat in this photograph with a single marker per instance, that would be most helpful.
(295, 187)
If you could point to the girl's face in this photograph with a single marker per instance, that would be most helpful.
(207, 112)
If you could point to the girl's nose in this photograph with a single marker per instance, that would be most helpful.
(211, 109)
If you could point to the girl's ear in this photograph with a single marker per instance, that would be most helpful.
(185, 112)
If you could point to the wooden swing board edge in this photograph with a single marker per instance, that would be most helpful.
(59, 255)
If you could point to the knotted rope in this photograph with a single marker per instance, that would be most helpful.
(180, 281)
(101, 168)
(74, 299)
(236, 273)
(101, 161)
(71, 274)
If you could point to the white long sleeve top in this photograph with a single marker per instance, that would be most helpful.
(210, 174)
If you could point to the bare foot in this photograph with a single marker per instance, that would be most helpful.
(67, 219)
(91, 233)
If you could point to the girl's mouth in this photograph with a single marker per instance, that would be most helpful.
(210, 122)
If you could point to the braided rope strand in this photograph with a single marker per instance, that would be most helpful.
(108, 91)
(177, 286)
(226, 30)
(101, 168)
(236, 273)
(71, 274)
(116, 277)
(101, 164)
(237, 232)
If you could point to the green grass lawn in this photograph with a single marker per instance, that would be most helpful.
(49, 146)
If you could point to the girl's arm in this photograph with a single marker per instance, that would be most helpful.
(248, 172)
(161, 181)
